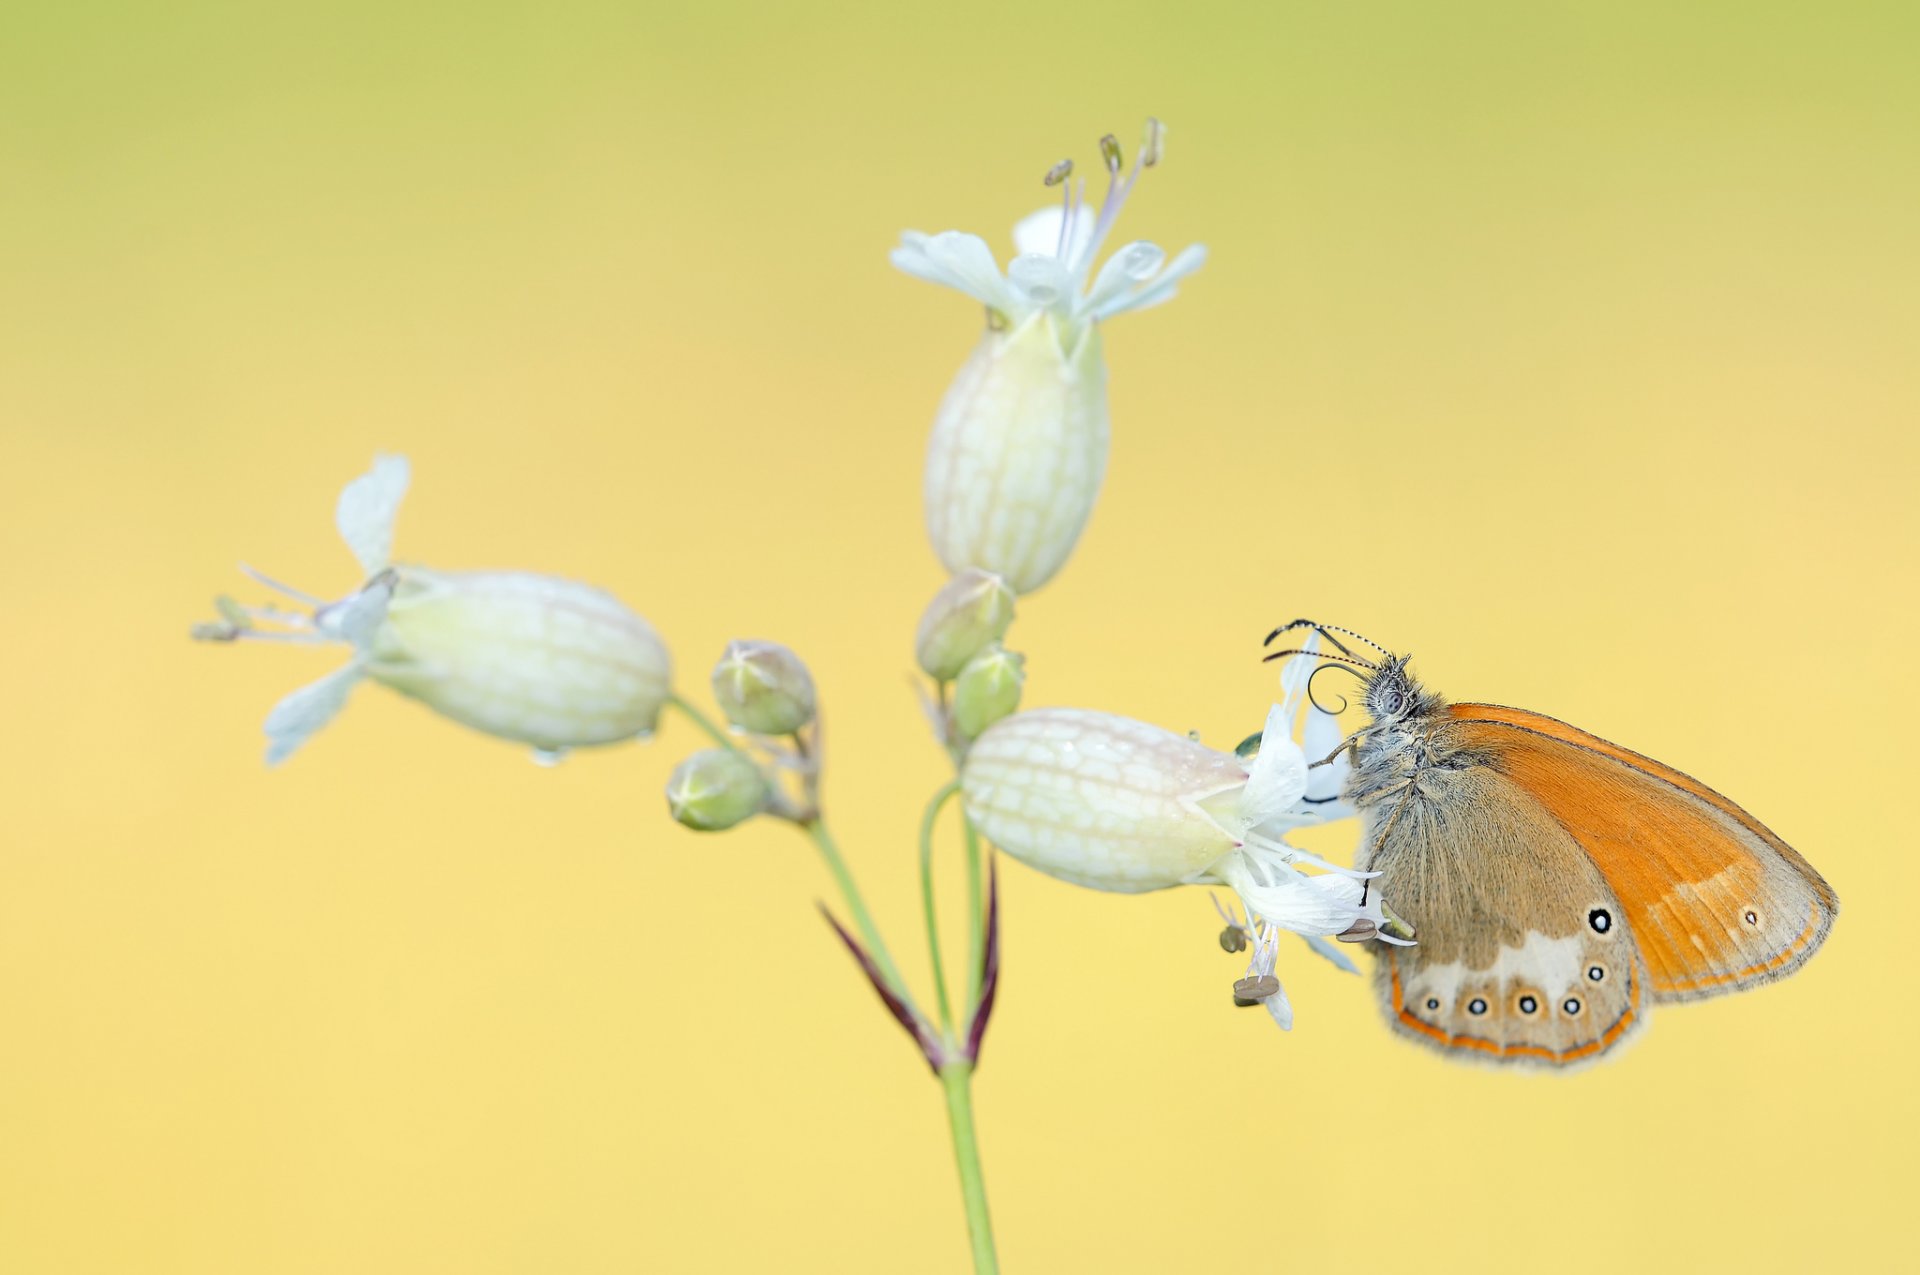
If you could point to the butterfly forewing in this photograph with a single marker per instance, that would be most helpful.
(1714, 901)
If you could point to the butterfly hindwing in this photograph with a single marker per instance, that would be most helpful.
(1524, 954)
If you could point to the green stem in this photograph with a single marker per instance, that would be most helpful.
(926, 902)
(704, 722)
(857, 908)
(976, 922)
(957, 1079)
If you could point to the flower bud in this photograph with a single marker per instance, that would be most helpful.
(533, 658)
(1018, 452)
(1020, 443)
(763, 687)
(1116, 804)
(716, 789)
(1099, 800)
(987, 690)
(971, 612)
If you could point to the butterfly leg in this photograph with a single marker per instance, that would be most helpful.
(1350, 744)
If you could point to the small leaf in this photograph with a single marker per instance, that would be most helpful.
(989, 966)
(922, 1034)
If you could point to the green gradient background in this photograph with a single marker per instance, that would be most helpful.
(1569, 346)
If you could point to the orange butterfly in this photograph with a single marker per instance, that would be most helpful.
(1558, 884)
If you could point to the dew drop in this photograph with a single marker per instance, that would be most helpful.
(549, 756)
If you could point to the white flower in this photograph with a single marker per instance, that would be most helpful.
(1116, 804)
(1019, 446)
(531, 658)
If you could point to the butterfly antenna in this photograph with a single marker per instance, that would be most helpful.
(1354, 660)
(1325, 628)
(1321, 629)
(1327, 631)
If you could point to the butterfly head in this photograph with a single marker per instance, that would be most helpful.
(1394, 695)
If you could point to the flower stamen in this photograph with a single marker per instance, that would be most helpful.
(1118, 189)
(261, 577)
(1254, 988)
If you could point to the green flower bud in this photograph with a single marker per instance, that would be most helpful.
(715, 789)
(969, 614)
(763, 687)
(987, 689)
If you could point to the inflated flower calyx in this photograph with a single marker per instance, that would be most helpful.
(969, 614)
(1115, 804)
(536, 659)
(763, 688)
(717, 789)
(987, 690)
(1019, 445)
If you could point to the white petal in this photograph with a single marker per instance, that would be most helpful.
(1161, 289)
(356, 618)
(300, 714)
(1278, 776)
(1297, 673)
(1039, 233)
(1321, 735)
(1279, 854)
(1281, 1010)
(1132, 265)
(1043, 280)
(367, 509)
(955, 260)
(1331, 951)
(1303, 904)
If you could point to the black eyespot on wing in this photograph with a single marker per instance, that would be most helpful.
(1571, 1004)
(1528, 1004)
(1595, 973)
(1601, 920)
(1751, 917)
(1433, 1002)
(1476, 1006)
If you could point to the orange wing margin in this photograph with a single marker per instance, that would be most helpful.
(1714, 900)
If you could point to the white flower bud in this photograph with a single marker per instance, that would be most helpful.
(1018, 452)
(964, 618)
(531, 658)
(987, 690)
(1116, 804)
(763, 687)
(1119, 805)
(1098, 800)
(716, 789)
(1019, 447)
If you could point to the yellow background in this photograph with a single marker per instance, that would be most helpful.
(1569, 346)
